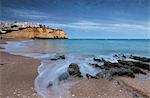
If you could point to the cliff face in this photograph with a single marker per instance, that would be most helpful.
(36, 33)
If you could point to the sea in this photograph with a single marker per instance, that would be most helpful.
(79, 51)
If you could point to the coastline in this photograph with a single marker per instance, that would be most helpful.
(17, 75)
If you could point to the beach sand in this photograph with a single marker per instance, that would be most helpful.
(121, 87)
(17, 75)
(98, 88)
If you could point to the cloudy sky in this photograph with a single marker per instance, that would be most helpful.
(84, 18)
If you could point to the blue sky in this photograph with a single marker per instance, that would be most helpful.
(84, 18)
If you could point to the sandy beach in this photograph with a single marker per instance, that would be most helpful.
(17, 74)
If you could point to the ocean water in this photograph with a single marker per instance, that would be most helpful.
(98, 47)
(75, 51)
(86, 47)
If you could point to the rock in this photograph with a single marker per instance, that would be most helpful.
(74, 70)
(137, 70)
(96, 65)
(123, 62)
(99, 59)
(62, 56)
(90, 76)
(143, 59)
(108, 64)
(58, 57)
(63, 76)
(109, 74)
(136, 64)
(121, 72)
(115, 55)
(142, 65)
(122, 56)
(105, 74)
(54, 59)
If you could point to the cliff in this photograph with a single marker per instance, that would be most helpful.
(36, 32)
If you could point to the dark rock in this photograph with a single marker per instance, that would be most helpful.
(143, 59)
(62, 56)
(99, 59)
(59, 57)
(120, 56)
(123, 56)
(112, 72)
(121, 72)
(136, 64)
(96, 65)
(105, 74)
(137, 70)
(54, 59)
(63, 76)
(111, 65)
(74, 70)
(90, 76)
(142, 65)
(115, 55)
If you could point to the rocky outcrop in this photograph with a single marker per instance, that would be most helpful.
(109, 70)
(74, 70)
(36, 32)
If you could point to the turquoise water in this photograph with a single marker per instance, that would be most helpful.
(96, 47)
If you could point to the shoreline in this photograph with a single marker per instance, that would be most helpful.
(19, 72)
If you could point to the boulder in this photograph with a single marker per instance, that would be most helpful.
(74, 70)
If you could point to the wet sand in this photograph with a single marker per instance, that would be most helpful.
(17, 74)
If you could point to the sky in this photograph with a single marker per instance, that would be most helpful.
(86, 19)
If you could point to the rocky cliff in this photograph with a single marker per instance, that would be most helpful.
(36, 33)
